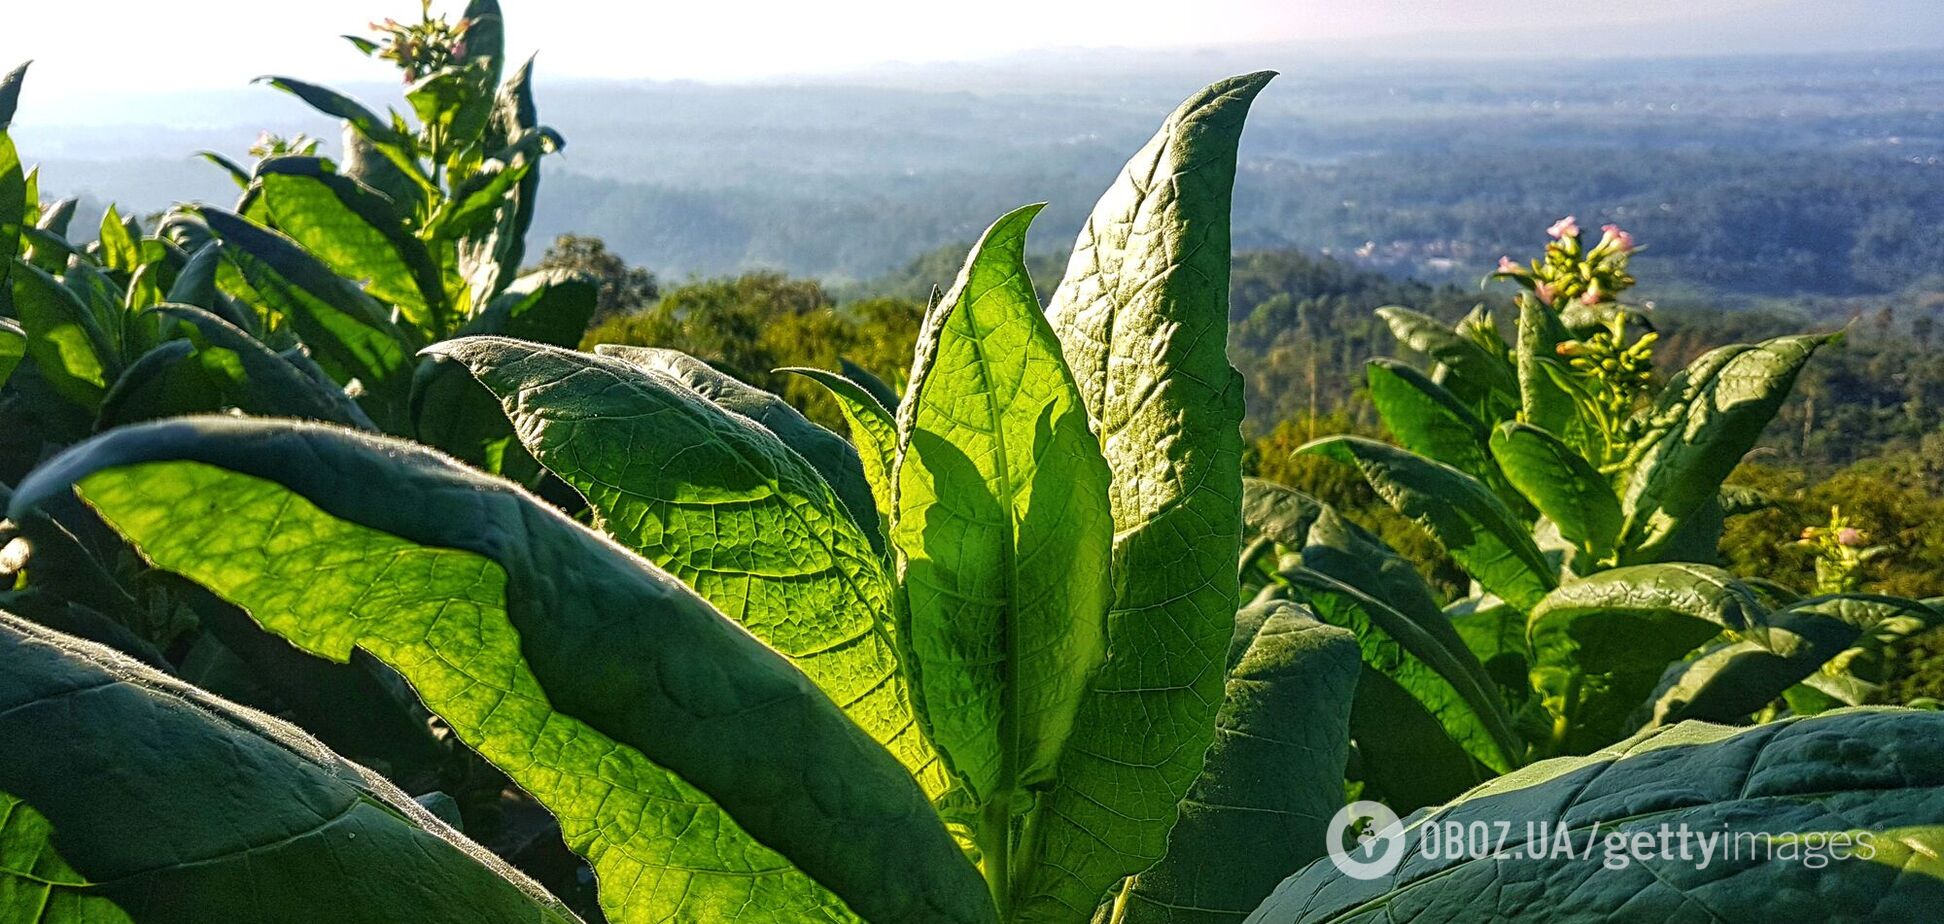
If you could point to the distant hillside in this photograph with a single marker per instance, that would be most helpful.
(1776, 176)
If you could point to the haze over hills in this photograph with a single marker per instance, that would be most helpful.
(1818, 171)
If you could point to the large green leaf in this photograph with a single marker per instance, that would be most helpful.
(10, 93)
(1434, 674)
(1428, 420)
(13, 347)
(119, 784)
(1781, 790)
(13, 214)
(682, 757)
(349, 331)
(491, 256)
(1272, 779)
(1544, 400)
(828, 453)
(451, 411)
(1707, 418)
(1279, 513)
(356, 231)
(1561, 484)
(1734, 679)
(1485, 383)
(722, 504)
(1457, 510)
(118, 250)
(873, 429)
(1600, 644)
(1142, 318)
(70, 350)
(548, 306)
(215, 367)
(1001, 532)
(1859, 674)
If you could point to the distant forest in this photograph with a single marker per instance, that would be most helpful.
(1865, 428)
(1750, 179)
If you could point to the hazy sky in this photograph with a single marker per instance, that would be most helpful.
(94, 47)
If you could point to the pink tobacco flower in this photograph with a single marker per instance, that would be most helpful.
(1545, 292)
(1849, 536)
(1564, 228)
(1510, 266)
(1592, 296)
(1617, 238)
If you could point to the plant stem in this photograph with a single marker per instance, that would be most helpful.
(995, 854)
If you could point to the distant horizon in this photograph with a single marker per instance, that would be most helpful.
(222, 44)
(52, 109)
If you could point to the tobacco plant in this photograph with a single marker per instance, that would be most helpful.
(982, 662)
(1585, 499)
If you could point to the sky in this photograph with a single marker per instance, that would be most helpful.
(98, 49)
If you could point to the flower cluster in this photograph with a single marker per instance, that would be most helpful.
(420, 48)
(1624, 372)
(1841, 551)
(1570, 271)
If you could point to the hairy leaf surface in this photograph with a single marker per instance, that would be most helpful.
(1791, 784)
(683, 757)
(181, 807)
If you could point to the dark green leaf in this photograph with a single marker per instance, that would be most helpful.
(1270, 782)
(178, 806)
(1457, 510)
(545, 306)
(1600, 644)
(1561, 484)
(1707, 418)
(1788, 786)
(1427, 420)
(1279, 513)
(1733, 680)
(10, 93)
(1432, 674)
(1485, 383)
